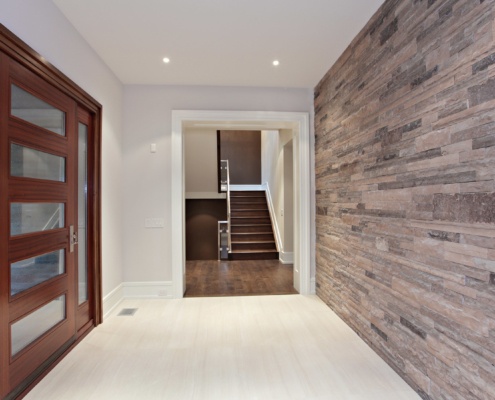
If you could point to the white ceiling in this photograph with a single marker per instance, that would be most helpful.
(219, 42)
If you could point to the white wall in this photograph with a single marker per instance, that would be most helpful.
(289, 197)
(42, 26)
(201, 163)
(272, 175)
(147, 119)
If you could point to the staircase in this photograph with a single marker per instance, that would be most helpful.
(251, 227)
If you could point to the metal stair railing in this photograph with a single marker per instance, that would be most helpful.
(224, 227)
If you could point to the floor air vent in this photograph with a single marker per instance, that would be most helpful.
(127, 312)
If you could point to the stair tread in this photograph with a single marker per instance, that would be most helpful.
(251, 217)
(245, 202)
(244, 193)
(261, 206)
(249, 210)
(254, 251)
(241, 196)
(251, 224)
(252, 233)
(246, 235)
(252, 242)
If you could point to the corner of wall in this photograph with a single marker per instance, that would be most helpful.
(112, 300)
(286, 257)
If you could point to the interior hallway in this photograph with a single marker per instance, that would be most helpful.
(252, 347)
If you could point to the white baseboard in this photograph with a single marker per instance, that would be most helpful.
(246, 187)
(148, 290)
(112, 300)
(143, 290)
(286, 257)
(313, 285)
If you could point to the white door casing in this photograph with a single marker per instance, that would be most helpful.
(299, 123)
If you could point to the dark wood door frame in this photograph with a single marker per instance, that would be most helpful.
(12, 47)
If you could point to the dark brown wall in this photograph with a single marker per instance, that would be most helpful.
(405, 193)
(202, 218)
(243, 150)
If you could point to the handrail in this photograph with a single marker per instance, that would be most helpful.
(229, 241)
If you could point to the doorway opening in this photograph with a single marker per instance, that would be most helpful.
(298, 125)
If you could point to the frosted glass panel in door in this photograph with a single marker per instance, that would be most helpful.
(36, 111)
(82, 211)
(29, 163)
(28, 329)
(30, 272)
(35, 217)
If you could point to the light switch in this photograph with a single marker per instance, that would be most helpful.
(153, 148)
(282, 212)
(154, 223)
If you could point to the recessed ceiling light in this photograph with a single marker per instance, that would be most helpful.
(276, 63)
(166, 60)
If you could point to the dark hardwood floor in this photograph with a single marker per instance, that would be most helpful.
(238, 278)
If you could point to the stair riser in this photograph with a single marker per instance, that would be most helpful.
(248, 193)
(248, 206)
(254, 256)
(249, 213)
(253, 246)
(253, 200)
(255, 237)
(249, 221)
(251, 228)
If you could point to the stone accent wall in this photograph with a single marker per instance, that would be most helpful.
(405, 193)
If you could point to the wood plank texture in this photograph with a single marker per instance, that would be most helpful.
(238, 278)
(243, 150)
(202, 216)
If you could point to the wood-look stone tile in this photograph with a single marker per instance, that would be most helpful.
(223, 348)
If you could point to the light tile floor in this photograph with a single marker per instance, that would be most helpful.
(265, 347)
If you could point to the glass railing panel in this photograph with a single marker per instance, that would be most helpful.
(223, 240)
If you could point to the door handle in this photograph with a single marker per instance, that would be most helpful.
(72, 238)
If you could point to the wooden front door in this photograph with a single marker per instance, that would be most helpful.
(48, 289)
